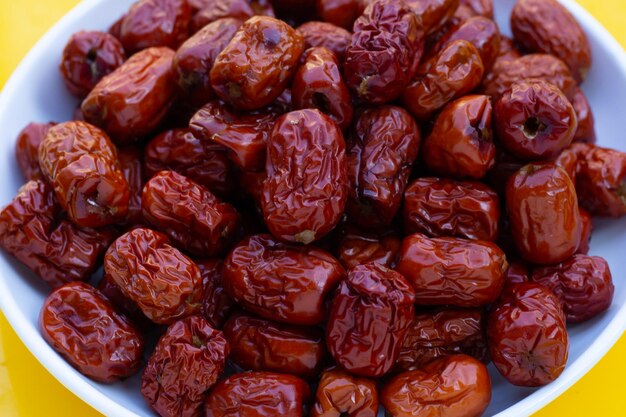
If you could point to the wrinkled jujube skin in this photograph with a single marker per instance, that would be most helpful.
(452, 271)
(506, 165)
(244, 135)
(281, 282)
(194, 59)
(306, 189)
(586, 229)
(452, 73)
(601, 182)
(440, 207)
(442, 333)
(536, 66)
(164, 283)
(342, 13)
(33, 230)
(527, 337)
(318, 84)
(434, 14)
(535, 120)
(386, 47)
(204, 162)
(82, 165)
(150, 23)
(258, 63)
(189, 214)
(131, 164)
(134, 99)
(327, 35)
(583, 284)
(518, 272)
(80, 324)
(481, 32)
(261, 345)
(187, 362)
(215, 10)
(87, 57)
(123, 304)
(548, 27)
(586, 131)
(217, 305)
(460, 144)
(358, 247)
(452, 386)
(341, 394)
(258, 394)
(369, 317)
(381, 151)
(27, 149)
(543, 212)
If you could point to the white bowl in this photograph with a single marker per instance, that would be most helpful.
(35, 92)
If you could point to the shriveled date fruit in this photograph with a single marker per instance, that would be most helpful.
(189, 214)
(258, 394)
(527, 336)
(203, 161)
(318, 84)
(327, 35)
(481, 32)
(381, 152)
(132, 101)
(194, 59)
(305, 192)
(440, 207)
(452, 73)
(547, 26)
(601, 181)
(217, 304)
(443, 333)
(341, 394)
(27, 149)
(244, 135)
(151, 23)
(165, 284)
(279, 281)
(518, 272)
(81, 164)
(471, 8)
(543, 212)
(342, 13)
(214, 10)
(261, 345)
(535, 66)
(583, 283)
(186, 363)
(535, 120)
(255, 67)
(87, 57)
(33, 229)
(369, 318)
(452, 271)
(357, 248)
(453, 386)
(460, 143)
(131, 163)
(386, 47)
(80, 324)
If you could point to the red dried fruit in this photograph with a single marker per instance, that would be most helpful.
(341, 394)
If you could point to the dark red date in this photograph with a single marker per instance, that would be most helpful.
(27, 149)
(601, 181)
(281, 282)
(327, 35)
(217, 305)
(80, 324)
(359, 248)
(452, 271)
(341, 394)
(369, 317)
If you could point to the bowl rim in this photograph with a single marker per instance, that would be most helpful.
(56, 365)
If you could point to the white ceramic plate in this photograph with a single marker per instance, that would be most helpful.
(35, 93)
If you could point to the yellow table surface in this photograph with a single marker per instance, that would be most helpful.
(28, 390)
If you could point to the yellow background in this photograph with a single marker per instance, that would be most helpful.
(28, 390)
